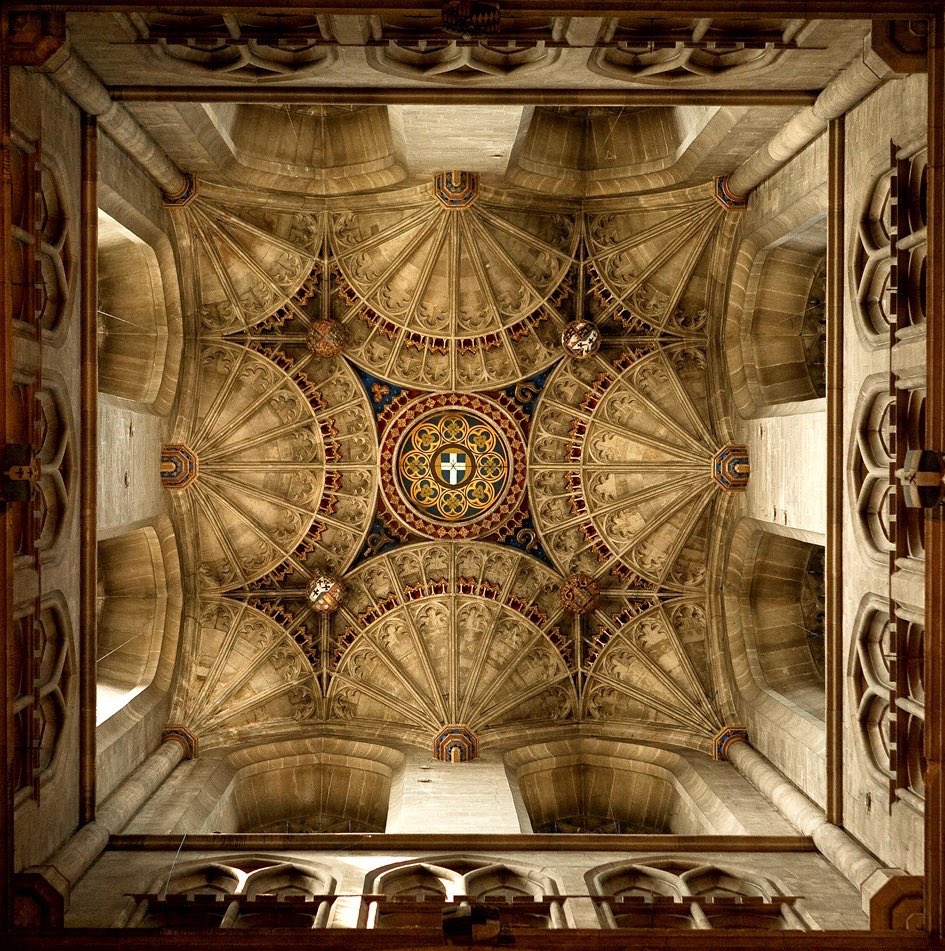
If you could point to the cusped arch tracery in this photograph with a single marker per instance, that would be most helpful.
(697, 52)
(452, 298)
(620, 468)
(451, 633)
(252, 47)
(287, 466)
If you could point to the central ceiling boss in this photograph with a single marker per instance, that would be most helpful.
(453, 464)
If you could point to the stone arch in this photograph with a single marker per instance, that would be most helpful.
(458, 878)
(776, 329)
(258, 678)
(308, 149)
(139, 611)
(43, 665)
(583, 152)
(58, 485)
(872, 450)
(780, 590)
(329, 785)
(872, 681)
(672, 893)
(598, 785)
(57, 260)
(633, 58)
(138, 336)
(773, 598)
(242, 892)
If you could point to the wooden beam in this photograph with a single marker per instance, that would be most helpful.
(934, 521)
(688, 9)
(88, 442)
(836, 271)
(6, 387)
(345, 939)
(462, 842)
(400, 95)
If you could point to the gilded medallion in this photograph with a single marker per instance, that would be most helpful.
(453, 465)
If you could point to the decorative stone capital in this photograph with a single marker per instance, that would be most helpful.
(180, 734)
(326, 594)
(724, 739)
(456, 189)
(456, 744)
(187, 194)
(731, 468)
(579, 594)
(726, 197)
(179, 466)
(903, 45)
(33, 37)
(894, 900)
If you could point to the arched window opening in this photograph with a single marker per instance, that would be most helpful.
(415, 896)
(42, 668)
(138, 602)
(132, 315)
(243, 894)
(778, 596)
(672, 894)
(888, 679)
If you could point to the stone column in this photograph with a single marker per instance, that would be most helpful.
(848, 89)
(42, 891)
(787, 488)
(860, 867)
(81, 85)
(431, 796)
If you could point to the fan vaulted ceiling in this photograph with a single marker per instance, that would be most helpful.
(554, 569)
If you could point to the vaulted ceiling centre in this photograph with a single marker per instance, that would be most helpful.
(453, 466)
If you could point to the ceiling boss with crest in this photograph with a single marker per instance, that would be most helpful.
(455, 464)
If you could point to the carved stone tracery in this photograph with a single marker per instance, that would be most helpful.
(462, 300)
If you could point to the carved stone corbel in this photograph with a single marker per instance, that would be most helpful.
(903, 45)
(33, 37)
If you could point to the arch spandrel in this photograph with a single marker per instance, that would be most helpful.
(247, 263)
(641, 671)
(284, 473)
(649, 257)
(620, 477)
